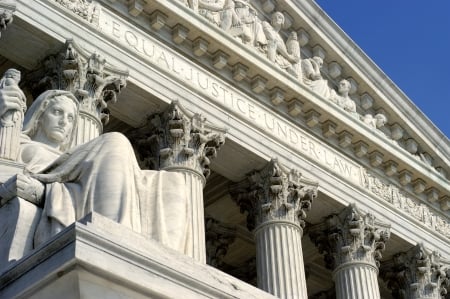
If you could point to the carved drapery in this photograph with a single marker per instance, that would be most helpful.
(177, 140)
(417, 273)
(352, 243)
(276, 202)
(89, 78)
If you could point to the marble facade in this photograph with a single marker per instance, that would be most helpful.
(258, 145)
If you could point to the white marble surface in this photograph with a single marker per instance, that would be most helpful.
(98, 258)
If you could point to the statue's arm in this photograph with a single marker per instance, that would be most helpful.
(22, 186)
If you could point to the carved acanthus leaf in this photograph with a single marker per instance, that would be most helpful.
(7, 9)
(350, 236)
(417, 273)
(87, 76)
(273, 193)
(219, 237)
(177, 138)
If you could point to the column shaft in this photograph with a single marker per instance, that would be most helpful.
(279, 260)
(356, 281)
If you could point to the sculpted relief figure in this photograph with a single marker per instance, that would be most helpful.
(313, 78)
(276, 48)
(249, 29)
(342, 99)
(101, 175)
(375, 122)
(211, 10)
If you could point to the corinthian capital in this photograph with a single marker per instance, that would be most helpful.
(7, 8)
(350, 236)
(86, 75)
(178, 139)
(275, 194)
(417, 273)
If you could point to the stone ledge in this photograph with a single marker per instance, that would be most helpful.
(97, 256)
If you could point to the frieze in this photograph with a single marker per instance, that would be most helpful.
(247, 109)
(404, 202)
(245, 22)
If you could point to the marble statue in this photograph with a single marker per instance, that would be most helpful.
(276, 48)
(250, 29)
(293, 48)
(211, 10)
(342, 99)
(11, 119)
(313, 78)
(375, 122)
(101, 175)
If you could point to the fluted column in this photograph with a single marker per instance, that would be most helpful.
(352, 243)
(417, 274)
(89, 78)
(276, 201)
(177, 140)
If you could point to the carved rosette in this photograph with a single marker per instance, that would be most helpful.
(219, 237)
(177, 139)
(417, 273)
(7, 9)
(274, 194)
(89, 78)
(350, 237)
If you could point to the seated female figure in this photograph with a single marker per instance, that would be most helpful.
(99, 176)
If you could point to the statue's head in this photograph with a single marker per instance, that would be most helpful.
(381, 120)
(277, 19)
(318, 60)
(52, 118)
(344, 86)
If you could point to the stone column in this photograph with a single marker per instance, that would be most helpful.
(89, 78)
(276, 201)
(352, 243)
(417, 274)
(7, 8)
(177, 140)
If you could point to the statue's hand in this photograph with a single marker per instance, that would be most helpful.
(11, 98)
(24, 187)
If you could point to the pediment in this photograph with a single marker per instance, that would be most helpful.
(407, 150)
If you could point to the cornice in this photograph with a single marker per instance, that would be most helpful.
(388, 91)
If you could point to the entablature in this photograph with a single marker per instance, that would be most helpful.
(334, 143)
(390, 148)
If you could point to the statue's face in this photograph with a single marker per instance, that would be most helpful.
(56, 123)
(344, 86)
(277, 19)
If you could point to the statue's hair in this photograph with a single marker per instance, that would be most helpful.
(40, 105)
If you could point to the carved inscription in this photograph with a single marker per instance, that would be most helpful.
(255, 114)
(237, 103)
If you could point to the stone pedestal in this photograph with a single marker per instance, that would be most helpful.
(276, 201)
(352, 243)
(99, 258)
(177, 140)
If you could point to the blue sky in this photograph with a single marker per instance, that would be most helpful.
(409, 41)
